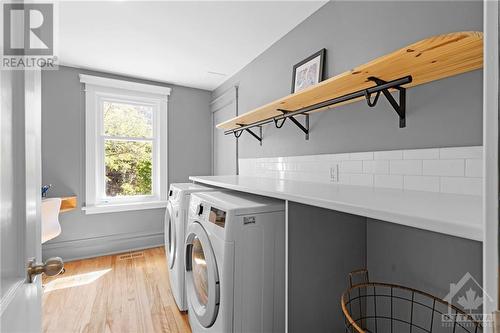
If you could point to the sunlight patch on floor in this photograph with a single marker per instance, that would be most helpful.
(74, 280)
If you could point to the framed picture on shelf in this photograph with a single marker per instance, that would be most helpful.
(308, 72)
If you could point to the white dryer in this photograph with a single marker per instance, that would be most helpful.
(235, 263)
(175, 227)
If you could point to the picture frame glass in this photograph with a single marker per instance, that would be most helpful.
(307, 74)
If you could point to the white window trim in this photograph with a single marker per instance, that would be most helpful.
(97, 88)
(123, 207)
(126, 85)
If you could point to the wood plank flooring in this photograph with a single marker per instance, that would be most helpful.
(128, 292)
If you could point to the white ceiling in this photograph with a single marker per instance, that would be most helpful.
(185, 43)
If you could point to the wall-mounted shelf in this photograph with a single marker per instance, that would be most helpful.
(428, 60)
(68, 203)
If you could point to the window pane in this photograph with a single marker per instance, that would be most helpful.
(128, 167)
(128, 120)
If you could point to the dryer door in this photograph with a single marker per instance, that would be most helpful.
(170, 236)
(202, 277)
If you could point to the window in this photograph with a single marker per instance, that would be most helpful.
(126, 145)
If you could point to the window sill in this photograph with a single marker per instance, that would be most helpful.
(123, 207)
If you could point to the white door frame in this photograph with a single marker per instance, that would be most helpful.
(490, 142)
(227, 97)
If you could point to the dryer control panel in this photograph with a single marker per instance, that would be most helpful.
(217, 217)
(173, 194)
(211, 214)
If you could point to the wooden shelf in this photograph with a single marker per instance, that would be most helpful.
(428, 60)
(68, 203)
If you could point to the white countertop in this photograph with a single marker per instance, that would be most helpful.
(451, 214)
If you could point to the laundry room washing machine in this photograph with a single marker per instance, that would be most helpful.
(175, 227)
(235, 263)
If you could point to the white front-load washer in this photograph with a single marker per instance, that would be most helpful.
(235, 263)
(175, 227)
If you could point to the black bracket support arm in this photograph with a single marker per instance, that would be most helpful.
(303, 128)
(237, 134)
(400, 107)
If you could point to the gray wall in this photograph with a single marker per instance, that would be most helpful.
(325, 245)
(420, 259)
(63, 164)
(442, 113)
(423, 260)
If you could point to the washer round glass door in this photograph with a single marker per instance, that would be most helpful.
(202, 275)
(170, 233)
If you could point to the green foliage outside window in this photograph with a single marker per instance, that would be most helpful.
(128, 162)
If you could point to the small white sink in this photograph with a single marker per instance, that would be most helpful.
(50, 218)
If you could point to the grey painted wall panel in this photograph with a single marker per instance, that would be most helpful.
(63, 164)
(442, 113)
(324, 246)
(420, 259)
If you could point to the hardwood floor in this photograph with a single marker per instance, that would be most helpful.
(128, 292)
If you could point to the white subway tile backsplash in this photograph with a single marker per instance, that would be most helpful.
(389, 181)
(361, 156)
(315, 177)
(376, 167)
(421, 183)
(301, 176)
(293, 176)
(273, 166)
(344, 179)
(388, 155)
(461, 185)
(244, 165)
(474, 168)
(351, 166)
(444, 168)
(300, 158)
(405, 167)
(309, 166)
(448, 170)
(421, 154)
(461, 152)
(336, 157)
(361, 180)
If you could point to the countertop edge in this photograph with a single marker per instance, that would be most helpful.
(436, 225)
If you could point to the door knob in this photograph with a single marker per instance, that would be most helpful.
(51, 267)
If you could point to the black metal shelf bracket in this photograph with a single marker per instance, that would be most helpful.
(276, 123)
(400, 107)
(368, 98)
(237, 133)
(381, 86)
(303, 128)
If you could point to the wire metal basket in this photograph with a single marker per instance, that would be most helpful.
(371, 307)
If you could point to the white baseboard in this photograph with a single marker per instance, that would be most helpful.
(100, 246)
